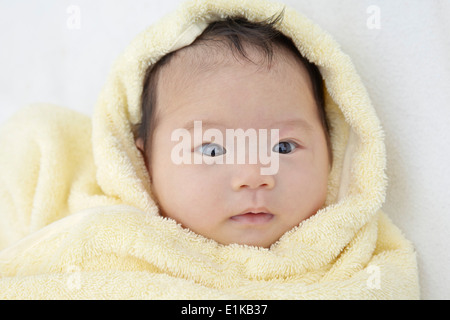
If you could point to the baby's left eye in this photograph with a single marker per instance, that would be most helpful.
(212, 149)
(284, 147)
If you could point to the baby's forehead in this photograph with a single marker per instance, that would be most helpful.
(195, 71)
(207, 56)
(197, 75)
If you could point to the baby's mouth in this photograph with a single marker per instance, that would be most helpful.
(256, 217)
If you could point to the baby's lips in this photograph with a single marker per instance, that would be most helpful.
(258, 215)
(255, 210)
(253, 218)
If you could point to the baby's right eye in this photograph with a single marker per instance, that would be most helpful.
(212, 149)
(285, 147)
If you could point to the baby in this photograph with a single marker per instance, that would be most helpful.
(237, 75)
(230, 125)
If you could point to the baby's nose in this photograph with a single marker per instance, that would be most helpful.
(248, 176)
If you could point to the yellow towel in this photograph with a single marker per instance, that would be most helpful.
(77, 219)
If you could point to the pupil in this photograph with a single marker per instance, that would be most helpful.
(284, 147)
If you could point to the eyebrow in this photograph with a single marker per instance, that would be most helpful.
(295, 123)
(205, 124)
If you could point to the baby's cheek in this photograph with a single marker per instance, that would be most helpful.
(301, 186)
(183, 190)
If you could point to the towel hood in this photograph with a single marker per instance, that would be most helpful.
(357, 182)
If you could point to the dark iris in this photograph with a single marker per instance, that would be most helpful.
(283, 147)
(212, 149)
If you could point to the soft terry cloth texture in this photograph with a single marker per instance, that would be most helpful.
(78, 221)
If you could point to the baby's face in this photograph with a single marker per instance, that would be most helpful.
(227, 201)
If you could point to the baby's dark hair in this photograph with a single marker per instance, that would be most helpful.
(234, 32)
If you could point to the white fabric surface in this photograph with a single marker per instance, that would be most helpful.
(60, 51)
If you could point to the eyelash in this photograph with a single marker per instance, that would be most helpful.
(222, 150)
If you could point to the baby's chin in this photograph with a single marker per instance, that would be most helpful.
(251, 238)
(261, 229)
(261, 243)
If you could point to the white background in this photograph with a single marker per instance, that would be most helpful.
(48, 56)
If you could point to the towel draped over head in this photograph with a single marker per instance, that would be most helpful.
(77, 218)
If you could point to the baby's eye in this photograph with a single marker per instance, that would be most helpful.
(284, 147)
(212, 149)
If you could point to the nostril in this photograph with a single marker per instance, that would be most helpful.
(254, 181)
(246, 186)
